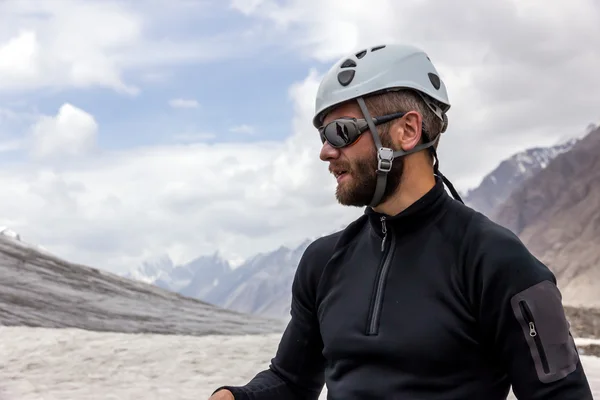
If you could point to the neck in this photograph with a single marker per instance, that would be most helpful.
(415, 183)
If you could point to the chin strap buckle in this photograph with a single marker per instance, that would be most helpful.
(385, 157)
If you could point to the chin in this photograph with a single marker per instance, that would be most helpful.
(353, 194)
(349, 199)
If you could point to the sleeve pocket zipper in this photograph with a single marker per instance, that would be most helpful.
(527, 315)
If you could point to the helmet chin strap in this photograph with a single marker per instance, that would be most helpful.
(386, 156)
(436, 171)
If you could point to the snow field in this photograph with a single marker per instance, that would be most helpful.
(65, 364)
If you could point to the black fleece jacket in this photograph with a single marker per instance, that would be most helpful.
(437, 303)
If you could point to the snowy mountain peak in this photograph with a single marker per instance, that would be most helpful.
(496, 185)
(6, 231)
(152, 269)
(217, 257)
(541, 156)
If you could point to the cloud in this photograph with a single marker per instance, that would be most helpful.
(99, 43)
(10, 145)
(243, 129)
(72, 132)
(518, 73)
(65, 44)
(114, 209)
(184, 103)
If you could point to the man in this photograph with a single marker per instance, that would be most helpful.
(421, 297)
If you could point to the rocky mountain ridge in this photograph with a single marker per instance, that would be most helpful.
(557, 215)
(496, 186)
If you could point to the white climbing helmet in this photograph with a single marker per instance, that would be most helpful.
(379, 69)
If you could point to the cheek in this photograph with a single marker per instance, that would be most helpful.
(362, 149)
(363, 162)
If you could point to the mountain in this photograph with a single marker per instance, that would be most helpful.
(557, 215)
(261, 285)
(198, 277)
(38, 289)
(152, 270)
(510, 174)
(193, 279)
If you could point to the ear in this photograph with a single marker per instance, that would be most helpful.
(406, 132)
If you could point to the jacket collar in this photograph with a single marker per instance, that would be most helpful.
(417, 215)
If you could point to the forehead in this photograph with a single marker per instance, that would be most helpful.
(350, 109)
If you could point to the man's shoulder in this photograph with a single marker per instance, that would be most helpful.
(476, 229)
(483, 242)
(465, 229)
(485, 235)
(324, 247)
(493, 259)
(491, 250)
(318, 253)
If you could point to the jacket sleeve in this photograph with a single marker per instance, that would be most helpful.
(523, 320)
(297, 370)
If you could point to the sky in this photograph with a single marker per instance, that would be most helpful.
(131, 129)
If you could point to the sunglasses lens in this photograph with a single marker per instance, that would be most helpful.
(340, 133)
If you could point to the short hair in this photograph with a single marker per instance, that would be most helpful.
(404, 101)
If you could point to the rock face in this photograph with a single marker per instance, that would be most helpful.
(556, 213)
(40, 290)
(497, 186)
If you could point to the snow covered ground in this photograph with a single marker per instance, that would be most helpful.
(65, 364)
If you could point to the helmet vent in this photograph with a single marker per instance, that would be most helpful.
(435, 80)
(349, 63)
(377, 48)
(361, 54)
(345, 77)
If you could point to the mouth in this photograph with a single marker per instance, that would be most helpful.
(339, 174)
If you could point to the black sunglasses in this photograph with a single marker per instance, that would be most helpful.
(345, 131)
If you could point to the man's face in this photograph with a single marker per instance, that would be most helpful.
(355, 166)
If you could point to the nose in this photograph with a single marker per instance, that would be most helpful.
(328, 152)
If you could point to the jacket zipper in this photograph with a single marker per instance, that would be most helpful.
(374, 315)
(534, 334)
(384, 230)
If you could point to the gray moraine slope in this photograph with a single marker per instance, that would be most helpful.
(38, 289)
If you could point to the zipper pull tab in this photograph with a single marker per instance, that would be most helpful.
(384, 230)
(532, 331)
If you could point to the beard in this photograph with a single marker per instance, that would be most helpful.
(358, 190)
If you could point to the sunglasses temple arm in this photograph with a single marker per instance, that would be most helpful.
(370, 122)
(387, 118)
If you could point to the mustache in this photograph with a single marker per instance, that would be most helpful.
(339, 167)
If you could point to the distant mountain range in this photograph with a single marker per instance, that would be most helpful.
(262, 284)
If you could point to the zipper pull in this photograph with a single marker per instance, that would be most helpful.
(532, 331)
(384, 230)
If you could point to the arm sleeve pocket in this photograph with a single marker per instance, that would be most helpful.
(542, 318)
